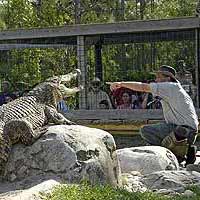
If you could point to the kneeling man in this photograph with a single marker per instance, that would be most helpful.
(179, 130)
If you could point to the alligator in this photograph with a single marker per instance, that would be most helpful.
(26, 118)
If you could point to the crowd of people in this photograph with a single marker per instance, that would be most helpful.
(97, 97)
(123, 98)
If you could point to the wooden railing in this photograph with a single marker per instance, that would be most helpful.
(117, 120)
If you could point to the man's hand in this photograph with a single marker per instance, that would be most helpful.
(114, 85)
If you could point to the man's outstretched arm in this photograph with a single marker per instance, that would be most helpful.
(137, 86)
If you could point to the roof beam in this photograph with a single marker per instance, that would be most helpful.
(100, 29)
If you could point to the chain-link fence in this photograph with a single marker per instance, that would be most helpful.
(105, 57)
(137, 58)
(127, 57)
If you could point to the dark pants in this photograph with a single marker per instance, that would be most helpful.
(155, 133)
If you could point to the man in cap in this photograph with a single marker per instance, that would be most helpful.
(178, 131)
(96, 95)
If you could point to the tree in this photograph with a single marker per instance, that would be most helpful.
(41, 63)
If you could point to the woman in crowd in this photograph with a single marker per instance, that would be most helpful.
(126, 101)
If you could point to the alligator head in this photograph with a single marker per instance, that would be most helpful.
(54, 89)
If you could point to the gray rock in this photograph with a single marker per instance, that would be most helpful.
(132, 182)
(69, 153)
(168, 183)
(146, 159)
(173, 180)
(32, 193)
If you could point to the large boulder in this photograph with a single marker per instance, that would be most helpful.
(69, 153)
(146, 159)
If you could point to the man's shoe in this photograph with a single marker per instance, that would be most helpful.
(191, 155)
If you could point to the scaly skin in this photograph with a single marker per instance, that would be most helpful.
(25, 119)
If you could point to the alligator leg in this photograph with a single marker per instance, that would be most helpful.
(5, 148)
(13, 131)
(21, 130)
(57, 118)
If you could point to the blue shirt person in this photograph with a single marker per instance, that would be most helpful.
(5, 95)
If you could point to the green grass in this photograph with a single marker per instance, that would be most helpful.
(86, 192)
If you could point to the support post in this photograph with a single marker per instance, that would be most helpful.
(197, 64)
(77, 11)
(98, 61)
(81, 57)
